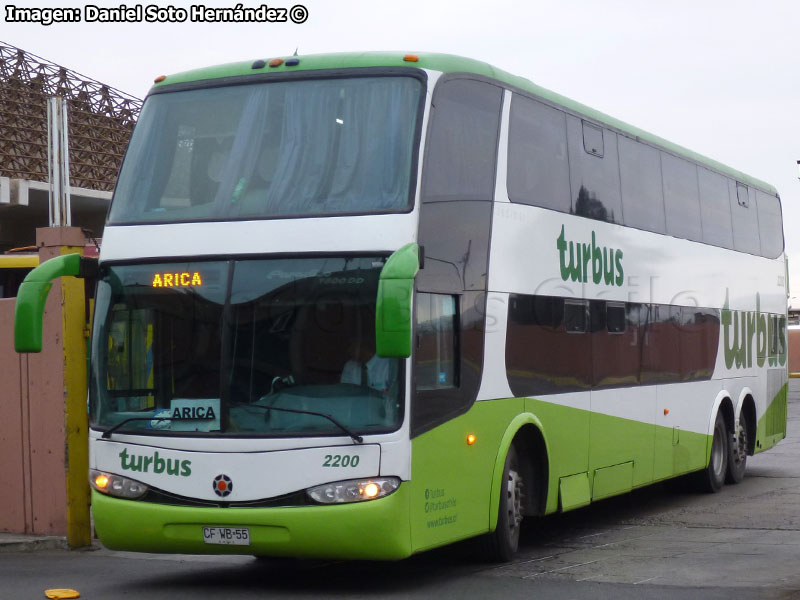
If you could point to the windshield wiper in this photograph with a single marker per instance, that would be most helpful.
(354, 436)
(107, 433)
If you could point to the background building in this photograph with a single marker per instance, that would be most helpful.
(100, 120)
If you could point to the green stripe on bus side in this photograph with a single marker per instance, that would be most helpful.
(453, 485)
(772, 424)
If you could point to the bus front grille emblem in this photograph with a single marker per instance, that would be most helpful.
(222, 485)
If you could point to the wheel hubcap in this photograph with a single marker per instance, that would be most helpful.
(716, 455)
(740, 445)
(514, 499)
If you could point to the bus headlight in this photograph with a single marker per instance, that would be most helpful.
(354, 490)
(116, 485)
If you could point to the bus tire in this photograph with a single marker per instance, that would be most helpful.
(737, 454)
(712, 478)
(502, 544)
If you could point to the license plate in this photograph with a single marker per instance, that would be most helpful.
(228, 536)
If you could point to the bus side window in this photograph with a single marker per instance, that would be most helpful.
(769, 224)
(437, 342)
(538, 166)
(575, 319)
(593, 139)
(594, 176)
(640, 181)
(744, 217)
(681, 198)
(615, 317)
(715, 209)
(461, 155)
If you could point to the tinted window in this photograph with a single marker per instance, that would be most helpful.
(538, 168)
(594, 180)
(715, 208)
(769, 224)
(541, 357)
(681, 198)
(616, 352)
(436, 359)
(640, 175)
(462, 147)
(745, 220)
(256, 339)
(621, 344)
(743, 195)
(592, 139)
(615, 318)
(311, 147)
(575, 316)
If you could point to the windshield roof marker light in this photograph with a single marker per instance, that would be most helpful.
(276, 62)
(159, 79)
(258, 64)
(411, 58)
(292, 62)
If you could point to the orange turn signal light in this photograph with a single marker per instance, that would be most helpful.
(471, 439)
(101, 481)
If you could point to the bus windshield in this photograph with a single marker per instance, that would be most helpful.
(287, 148)
(279, 347)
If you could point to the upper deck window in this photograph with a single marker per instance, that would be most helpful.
(288, 148)
(462, 149)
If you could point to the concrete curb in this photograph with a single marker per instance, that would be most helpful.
(12, 542)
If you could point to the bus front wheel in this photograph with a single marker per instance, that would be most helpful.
(504, 541)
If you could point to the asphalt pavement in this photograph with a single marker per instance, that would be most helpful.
(664, 541)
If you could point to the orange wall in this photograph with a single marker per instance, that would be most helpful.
(32, 455)
(794, 351)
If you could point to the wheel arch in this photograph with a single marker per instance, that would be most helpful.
(724, 406)
(527, 433)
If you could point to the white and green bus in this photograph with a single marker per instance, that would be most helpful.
(365, 305)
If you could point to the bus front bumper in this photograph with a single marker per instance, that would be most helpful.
(374, 529)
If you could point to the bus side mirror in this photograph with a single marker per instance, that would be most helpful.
(393, 308)
(32, 295)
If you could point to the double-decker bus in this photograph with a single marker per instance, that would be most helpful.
(365, 305)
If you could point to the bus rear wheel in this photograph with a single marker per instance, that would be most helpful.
(737, 454)
(503, 543)
(712, 478)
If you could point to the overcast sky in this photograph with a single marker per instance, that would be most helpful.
(719, 77)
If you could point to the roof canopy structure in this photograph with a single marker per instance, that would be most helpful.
(101, 119)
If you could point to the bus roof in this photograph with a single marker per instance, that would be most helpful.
(448, 63)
